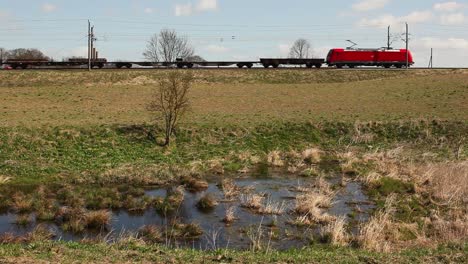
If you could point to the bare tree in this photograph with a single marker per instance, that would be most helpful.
(170, 101)
(168, 46)
(300, 49)
(27, 54)
(3, 54)
(151, 52)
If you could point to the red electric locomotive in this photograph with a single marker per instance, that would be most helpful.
(369, 57)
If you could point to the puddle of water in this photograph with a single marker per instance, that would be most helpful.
(235, 235)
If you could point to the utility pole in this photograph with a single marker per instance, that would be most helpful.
(89, 46)
(430, 61)
(407, 47)
(388, 38)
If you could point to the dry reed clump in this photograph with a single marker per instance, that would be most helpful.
(252, 201)
(216, 166)
(230, 215)
(455, 230)
(207, 202)
(272, 208)
(22, 203)
(309, 206)
(311, 156)
(230, 189)
(195, 185)
(151, 234)
(274, 159)
(373, 235)
(335, 232)
(447, 183)
(97, 219)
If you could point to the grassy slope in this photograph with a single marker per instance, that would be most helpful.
(135, 253)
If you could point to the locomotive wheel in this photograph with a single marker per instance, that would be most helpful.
(399, 66)
(351, 66)
(318, 66)
(387, 66)
(339, 66)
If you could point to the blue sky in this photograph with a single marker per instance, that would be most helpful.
(237, 29)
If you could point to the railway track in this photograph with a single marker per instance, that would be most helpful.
(237, 69)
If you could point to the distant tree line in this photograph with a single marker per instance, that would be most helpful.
(22, 54)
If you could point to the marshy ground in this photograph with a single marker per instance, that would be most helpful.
(269, 166)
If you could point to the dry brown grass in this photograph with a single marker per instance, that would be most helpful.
(335, 232)
(446, 182)
(230, 215)
(274, 159)
(373, 235)
(252, 201)
(97, 219)
(22, 203)
(207, 202)
(271, 207)
(230, 189)
(311, 206)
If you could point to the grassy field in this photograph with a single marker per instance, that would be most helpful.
(75, 138)
(234, 97)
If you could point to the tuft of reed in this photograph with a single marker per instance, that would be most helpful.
(23, 219)
(251, 201)
(335, 232)
(230, 215)
(207, 202)
(22, 203)
(97, 219)
(151, 234)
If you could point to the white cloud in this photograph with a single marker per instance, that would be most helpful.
(217, 49)
(367, 5)
(438, 43)
(201, 6)
(386, 20)
(205, 5)
(148, 10)
(453, 19)
(48, 8)
(447, 6)
(183, 9)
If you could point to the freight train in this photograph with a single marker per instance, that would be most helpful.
(338, 58)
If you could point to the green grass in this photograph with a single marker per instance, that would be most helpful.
(137, 253)
(45, 155)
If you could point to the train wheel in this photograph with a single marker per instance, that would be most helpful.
(387, 66)
(24, 66)
(190, 66)
(352, 66)
(250, 65)
(309, 65)
(240, 66)
(339, 66)
(266, 66)
(318, 66)
(129, 66)
(180, 66)
(399, 66)
(275, 66)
